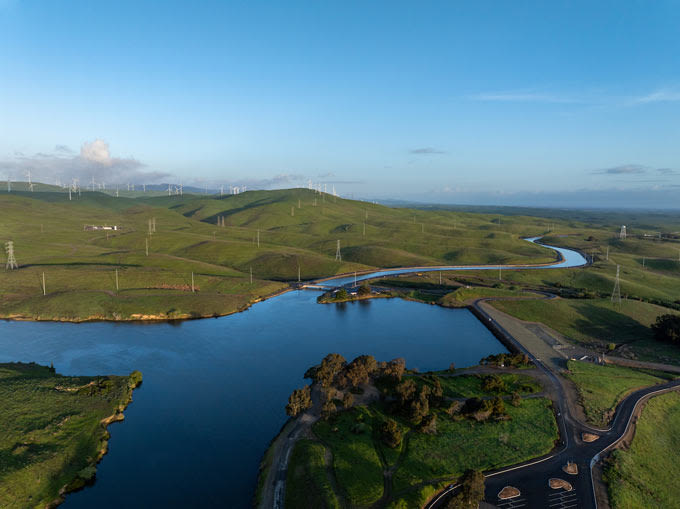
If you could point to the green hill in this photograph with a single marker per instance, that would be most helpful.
(297, 228)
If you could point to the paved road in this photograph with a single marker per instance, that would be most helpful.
(531, 477)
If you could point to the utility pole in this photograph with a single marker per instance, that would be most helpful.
(500, 272)
(258, 238)
(616, 294)
(607, 253)
(299, 203)
(643, 262)
(440, 278)
(355, 278)
(364, 234)
(147, 246)
(116, 280)
(298, 273)
(292, 211)
(192, 282)
(43, 284)
(251, 275)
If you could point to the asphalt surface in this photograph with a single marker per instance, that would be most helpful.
(532, 477)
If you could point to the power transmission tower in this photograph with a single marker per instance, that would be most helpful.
(11, 260)
(622, 234)
(338, 256)
(616, 294)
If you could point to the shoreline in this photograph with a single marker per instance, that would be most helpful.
(79, 483)
(150, 318)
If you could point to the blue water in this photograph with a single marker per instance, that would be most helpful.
(570, 259)
(214, 390)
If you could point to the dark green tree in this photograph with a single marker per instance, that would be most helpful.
(471, 491)
(390, 433)
(299, 401)
(667, 328)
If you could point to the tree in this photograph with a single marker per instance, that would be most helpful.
(394, 369)
(429, 424)
(299, 401)
(326, 372)
(471, 491)
(498, 406)
(390, 433)
(341, 294)
(667, 328)
(437, 393)
(493, 383)
(328, 409)
(364, 289)
(405, 391)
(347, 400)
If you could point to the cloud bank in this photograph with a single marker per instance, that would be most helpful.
(93, 162)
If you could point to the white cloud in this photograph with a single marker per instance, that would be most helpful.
(661, 95)
(522, 96)
(93, 162)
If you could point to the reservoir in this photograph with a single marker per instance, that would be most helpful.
(214, 390)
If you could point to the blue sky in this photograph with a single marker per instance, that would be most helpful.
(477, 102)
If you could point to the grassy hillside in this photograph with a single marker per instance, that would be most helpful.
(54, 430)
(298, 229)
(646, 475)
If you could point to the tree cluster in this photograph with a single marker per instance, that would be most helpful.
(667, 328)
(415, 402)
(478, 409)
(506, 359)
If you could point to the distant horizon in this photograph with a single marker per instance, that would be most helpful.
(566, 104)
(521, 200)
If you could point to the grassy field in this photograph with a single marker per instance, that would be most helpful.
(646, 475)
(108, 275)
(307, 484)
(601, 388)
(470, 386)
(360, 457)
(595, 323)
(53, 430)
(460, 445)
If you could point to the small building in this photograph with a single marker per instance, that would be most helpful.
(95, 228)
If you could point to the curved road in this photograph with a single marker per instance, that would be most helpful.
(531, 477)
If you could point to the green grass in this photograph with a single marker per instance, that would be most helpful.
(595, 323)
(356, 461)
(307, 484)
(460, 445)
(470, 386)
(602, 388)
(52, 435)
(646, 475)
(79, 266)
(461, 296)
